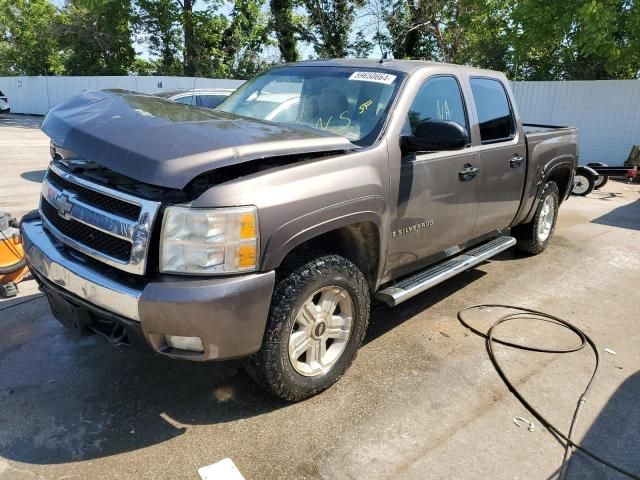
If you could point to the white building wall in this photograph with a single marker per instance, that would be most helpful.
(36, 95)
(607, 112)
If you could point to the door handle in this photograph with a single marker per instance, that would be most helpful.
(468, 173)
(516, 161)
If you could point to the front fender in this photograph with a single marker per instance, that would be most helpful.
(313, 224)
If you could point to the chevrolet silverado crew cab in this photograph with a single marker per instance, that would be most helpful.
(217, 234)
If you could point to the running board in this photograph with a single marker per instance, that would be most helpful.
(425, 279)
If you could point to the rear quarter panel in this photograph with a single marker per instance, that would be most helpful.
(547, 150)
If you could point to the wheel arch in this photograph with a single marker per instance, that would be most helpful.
(559, 170)
(355, 236)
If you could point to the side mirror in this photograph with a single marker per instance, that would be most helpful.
(434, 136)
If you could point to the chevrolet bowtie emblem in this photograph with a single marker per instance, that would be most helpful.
(63, 205)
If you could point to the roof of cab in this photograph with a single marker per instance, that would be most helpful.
(404, 66)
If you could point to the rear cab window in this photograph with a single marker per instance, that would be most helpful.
(495, 115)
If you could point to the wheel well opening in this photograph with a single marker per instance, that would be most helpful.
(359, 243)
(562, 177)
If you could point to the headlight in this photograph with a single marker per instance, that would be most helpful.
(206, 241)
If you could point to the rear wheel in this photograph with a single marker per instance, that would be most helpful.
(534, 237)
(317, 321)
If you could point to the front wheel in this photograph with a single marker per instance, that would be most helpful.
(317, 321)
(534, 237)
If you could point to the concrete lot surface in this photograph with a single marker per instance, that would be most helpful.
(422, 399)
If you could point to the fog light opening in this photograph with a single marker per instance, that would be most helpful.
(193, 344)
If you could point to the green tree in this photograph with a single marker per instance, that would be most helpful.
(188, 35)
(143, 66)
(230, 46)
(245, 39)
(160, 20)
(285, 27)
(329, 24)
(28, 44)
(97, 37)
(459, 31)
(577, 39)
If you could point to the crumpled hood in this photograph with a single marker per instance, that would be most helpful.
(168, 144)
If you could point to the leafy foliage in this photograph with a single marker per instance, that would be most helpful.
(160, 22)
(96, 36)
(328, 25)
(528, 39)
(285, 26)
(28, 43)
(230, 46)
(577, 39)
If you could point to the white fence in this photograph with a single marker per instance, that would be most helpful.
(36, 95)
(606, 112)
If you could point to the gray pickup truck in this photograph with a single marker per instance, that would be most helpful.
(216, 234)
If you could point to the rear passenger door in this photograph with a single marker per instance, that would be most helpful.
(502, 156)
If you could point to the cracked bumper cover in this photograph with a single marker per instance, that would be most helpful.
(229, 314)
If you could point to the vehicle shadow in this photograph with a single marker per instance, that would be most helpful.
(626, 216)
(605, 196)
(614, 436)
(65, 399)
(34, 176)
(384, 318)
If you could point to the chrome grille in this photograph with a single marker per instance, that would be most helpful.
(101, 222)
(96, 199)
(92, 238)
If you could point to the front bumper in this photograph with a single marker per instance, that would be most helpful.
(229, 314)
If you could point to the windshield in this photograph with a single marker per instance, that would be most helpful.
(352, 102)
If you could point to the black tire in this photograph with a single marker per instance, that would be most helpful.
(583, 183)
(527, 235)
(601, 180)
(271, 366)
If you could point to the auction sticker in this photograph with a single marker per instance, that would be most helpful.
(375, 77)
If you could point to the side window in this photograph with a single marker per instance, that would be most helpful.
(187, 100)
(494, 113)
(438, 99)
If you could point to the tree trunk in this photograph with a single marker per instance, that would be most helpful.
(282, 11)
(189, 47)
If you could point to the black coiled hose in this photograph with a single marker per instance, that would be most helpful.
(527, 313)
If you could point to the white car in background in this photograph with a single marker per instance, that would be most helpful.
(201, 97)
(4, 103)
(277, 107)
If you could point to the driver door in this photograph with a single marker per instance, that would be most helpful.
(437, 205)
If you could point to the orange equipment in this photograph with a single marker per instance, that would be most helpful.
(13, 266)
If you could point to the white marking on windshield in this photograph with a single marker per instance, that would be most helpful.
(375, 77)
